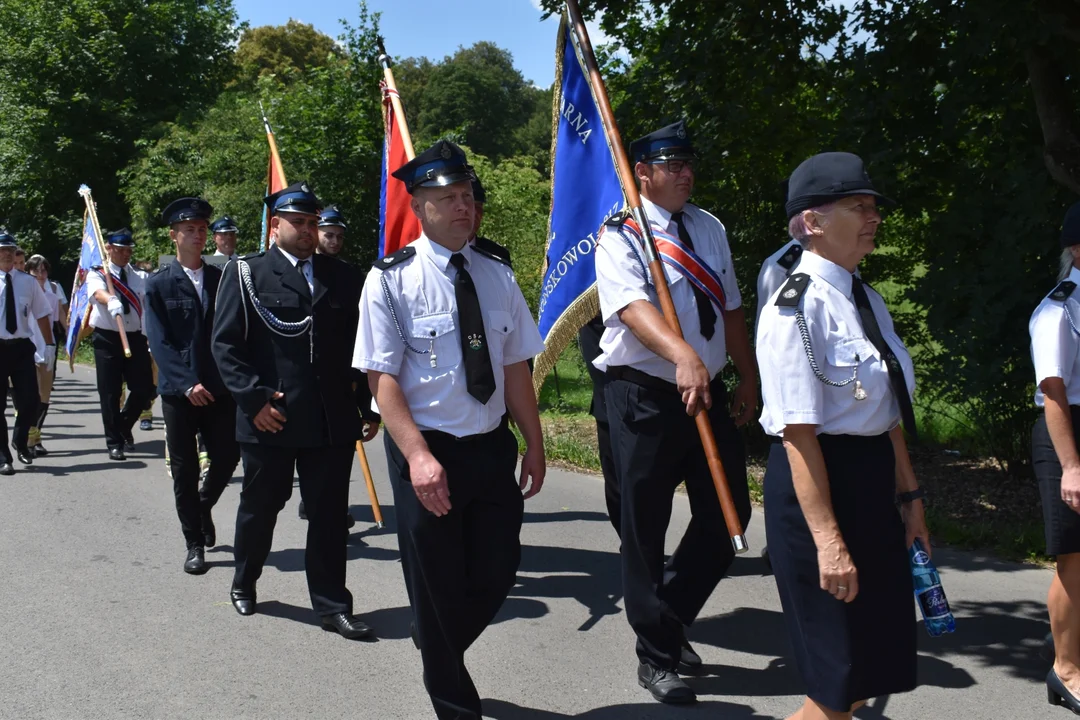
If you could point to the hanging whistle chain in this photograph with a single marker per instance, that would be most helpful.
(858, 392)
(1069, 317)
(397, 325)
(273, 323)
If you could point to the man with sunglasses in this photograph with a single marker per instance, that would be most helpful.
(657, 383)
(283, 338)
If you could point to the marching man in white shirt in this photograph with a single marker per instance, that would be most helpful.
(113, 369)
(445, 336)
(22, 304)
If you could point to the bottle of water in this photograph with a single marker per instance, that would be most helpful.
(937, 616)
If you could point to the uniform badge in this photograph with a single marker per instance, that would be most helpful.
(304, 187)
(788, 294)
(445, 152)
(476, 341)
(681, 133)
(194, 204)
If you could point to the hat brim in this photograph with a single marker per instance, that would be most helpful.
(225, 230)
(334, 223)
(296, 211)
(444, 180)
(670, 154)
(806, 202)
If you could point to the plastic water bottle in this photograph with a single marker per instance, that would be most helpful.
(937, 616)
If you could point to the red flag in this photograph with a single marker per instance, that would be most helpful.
(275, 180)
(398, 225)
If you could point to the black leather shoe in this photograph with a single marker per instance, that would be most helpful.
(40, 451)
(413, 635)
(146, 424)
(117, 454)
(25, 456)
(196, 561)
(129, 441)
(346, 625)
(6, 468)
(243, 599)
(665, 685)
(1058, 694)
(350, 521)
(208, 530)
(689, 661)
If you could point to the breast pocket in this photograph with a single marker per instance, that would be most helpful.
(179, 308)
(437, 334)
(844, 356)
(279, 300)
(500, 327)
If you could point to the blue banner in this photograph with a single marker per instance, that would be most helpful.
(79, 315)
(585, 191)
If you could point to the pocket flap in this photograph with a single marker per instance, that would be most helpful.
(500, 321)
(279, 299)
(432, 326)
(850, 352)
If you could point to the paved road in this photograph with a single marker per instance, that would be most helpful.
(97, 620)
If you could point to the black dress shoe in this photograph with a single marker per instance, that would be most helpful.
(346, 625)
(243, 599)
(413, 635)
(208, 530)
(1058, 694)
(6, 468)
(129, 441)
(665, 685)
(349, 520)
(301, 512)
(146, 424)
(196, 561)
(25, 456)
(117, 454)
(40, 451)
(689, 661)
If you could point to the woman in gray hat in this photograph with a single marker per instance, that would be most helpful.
(836, 383)
(1055, 351)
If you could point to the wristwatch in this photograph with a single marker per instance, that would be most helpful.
(187, 393)
(906, 498)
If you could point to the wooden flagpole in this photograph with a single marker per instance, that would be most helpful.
(656, 269)
(395, 100)
(106, 271)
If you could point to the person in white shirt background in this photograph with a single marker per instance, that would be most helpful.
(39, 267)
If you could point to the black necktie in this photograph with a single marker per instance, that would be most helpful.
(11, 321)
(479, 377)
(123, 298)
(705, 312)
(300, 265)
(892, 364)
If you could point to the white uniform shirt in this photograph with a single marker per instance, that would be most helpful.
(792, 393)
(54, 317)
(1055, 342)
(772, 274)
(99, 314)
(58, 290)
(30, 304)
(422, 292)
(197, 279)
(309, 274)
(622, 278)
(218, 253)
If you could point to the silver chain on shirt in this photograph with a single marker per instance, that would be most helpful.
(859, 393)
(273, 323)
(397, 324)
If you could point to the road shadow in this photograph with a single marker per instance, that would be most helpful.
(503, 710)
(968, 561)
(567, 516)
(84, 467)
(591, 577)
(292, 559)
(285, 611)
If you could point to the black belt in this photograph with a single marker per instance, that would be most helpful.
(629, 374)
(13, 341)
(116, 332)
(440, 435)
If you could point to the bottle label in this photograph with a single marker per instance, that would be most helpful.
(920, 558)
(933, 603)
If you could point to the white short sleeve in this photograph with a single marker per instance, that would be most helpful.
(1053, 343)
(620, 274)
(379, 346)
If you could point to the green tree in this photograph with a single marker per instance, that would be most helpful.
(80, 82)
(283, 50)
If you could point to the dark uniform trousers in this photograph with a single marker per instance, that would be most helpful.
(216, 423)
(656, 446)
(113, 370)
(589, 343)
(323, 474)
(17, 363)
(459, 568)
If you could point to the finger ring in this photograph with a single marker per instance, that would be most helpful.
(841, 587)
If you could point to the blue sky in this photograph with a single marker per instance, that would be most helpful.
(432, 28)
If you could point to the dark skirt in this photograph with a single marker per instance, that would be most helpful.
(1061, 523)
(845, 652)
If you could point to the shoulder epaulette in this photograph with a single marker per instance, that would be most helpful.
(394, 258)
(493, 254)
(619, 218)
(1062, 292)
(789, 259)
(793, 290)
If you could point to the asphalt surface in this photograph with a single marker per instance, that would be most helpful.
(97, 619)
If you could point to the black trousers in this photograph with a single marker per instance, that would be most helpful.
(113, 370)
(17, 363)
(656, 446)
(459, 568)
(589, 344)
(183, 423)
(324, 487)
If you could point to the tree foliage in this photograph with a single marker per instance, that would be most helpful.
(283, 51)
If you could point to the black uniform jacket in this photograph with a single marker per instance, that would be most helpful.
(323, 393)
(179, 328)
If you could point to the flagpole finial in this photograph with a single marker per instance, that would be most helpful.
(84, 190)
(384, 59)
